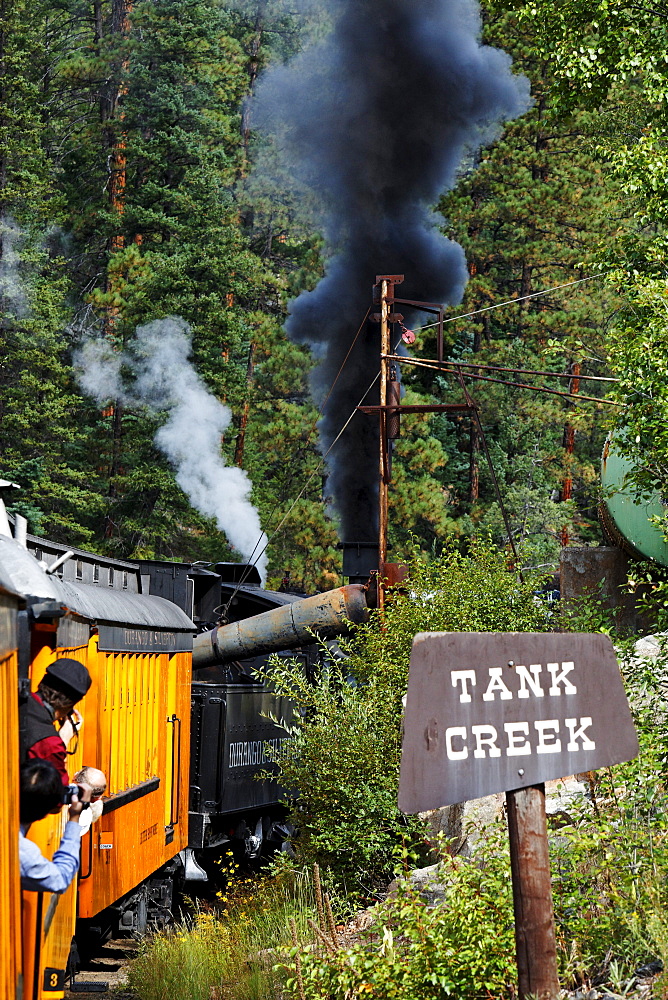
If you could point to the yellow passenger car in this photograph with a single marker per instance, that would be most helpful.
(10, 897)
(136, 729)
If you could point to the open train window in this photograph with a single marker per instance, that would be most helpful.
(78, 571)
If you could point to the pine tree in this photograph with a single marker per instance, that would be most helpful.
(531, 215)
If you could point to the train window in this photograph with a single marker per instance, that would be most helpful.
(38, 555)
(111, 577)
(96, 573)
(78, 570)
(125, 580)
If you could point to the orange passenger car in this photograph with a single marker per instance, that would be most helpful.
(137, 730)
(10, 898)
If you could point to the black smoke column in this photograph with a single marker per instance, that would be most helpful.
(375, 120)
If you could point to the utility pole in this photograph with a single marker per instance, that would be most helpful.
(383, 470)
(390, 409)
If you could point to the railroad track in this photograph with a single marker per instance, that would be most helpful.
(105, 972)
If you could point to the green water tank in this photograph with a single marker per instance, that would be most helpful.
(626, 518)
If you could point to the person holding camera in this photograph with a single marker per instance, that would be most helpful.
(42, 793)
(65, 682)
(97, 780)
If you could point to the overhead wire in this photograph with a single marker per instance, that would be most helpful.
(453, 368)
(529, 371)
(315, 472)
(497, 489)
(519, 298)
(315, 422)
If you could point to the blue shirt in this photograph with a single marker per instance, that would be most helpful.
(41, 875)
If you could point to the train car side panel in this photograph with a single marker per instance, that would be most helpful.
(143, 727)
(178, 678)
(10, 902)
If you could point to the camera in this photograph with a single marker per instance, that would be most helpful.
(72, 790)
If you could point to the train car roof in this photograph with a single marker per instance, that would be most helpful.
(47, 545)
(276, 597)
(7, 583)
(245, 600)
(230, 572)
(20, 572)
(119, 607)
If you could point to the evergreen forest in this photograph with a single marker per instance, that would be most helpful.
(130, 194)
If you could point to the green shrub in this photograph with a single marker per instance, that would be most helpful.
(346, 752)
(610, 863)
(462, 947)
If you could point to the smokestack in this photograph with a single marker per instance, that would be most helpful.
(374, 120)
(360, 560)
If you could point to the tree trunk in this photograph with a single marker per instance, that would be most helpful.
(241, 436)
(253, 70)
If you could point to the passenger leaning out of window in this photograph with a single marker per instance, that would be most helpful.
(51, 720)
(42, 793)
(97, 781)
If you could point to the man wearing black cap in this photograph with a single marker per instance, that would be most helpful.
(65, 683)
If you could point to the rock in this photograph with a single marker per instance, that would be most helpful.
(652, 968)
(562, 796)
(649, 656)
(477, 816)
(430, 883)
(445, 824)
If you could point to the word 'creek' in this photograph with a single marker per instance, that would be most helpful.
(518, 738)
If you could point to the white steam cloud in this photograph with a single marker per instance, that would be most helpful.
(164, 380)
(13, 295)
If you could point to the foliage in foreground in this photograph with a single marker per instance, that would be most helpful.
(609, 882)
(412, 951)
(226, 956)
(346, 752)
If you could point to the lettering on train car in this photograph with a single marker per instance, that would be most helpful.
(115, 638)
(149, 832)
(253, 752)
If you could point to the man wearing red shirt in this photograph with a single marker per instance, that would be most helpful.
(65, 682)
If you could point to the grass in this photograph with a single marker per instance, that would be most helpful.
(610, 879)
(227, 954)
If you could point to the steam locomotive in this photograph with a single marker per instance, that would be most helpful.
(175, 717)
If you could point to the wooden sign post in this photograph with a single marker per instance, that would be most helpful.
(535, 940)
(488, 712)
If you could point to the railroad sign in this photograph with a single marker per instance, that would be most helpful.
(506, 711)
(489, 712)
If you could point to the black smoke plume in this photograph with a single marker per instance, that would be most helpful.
(375, 120)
